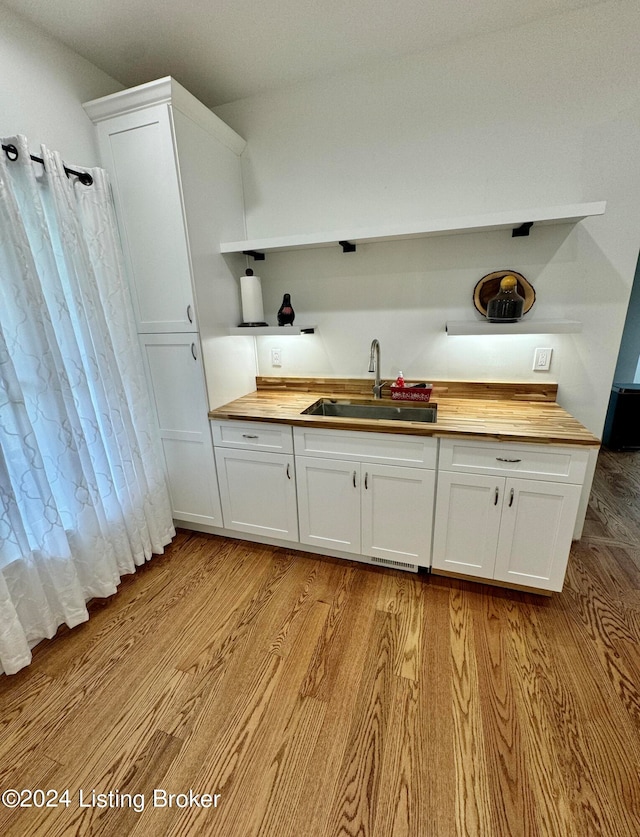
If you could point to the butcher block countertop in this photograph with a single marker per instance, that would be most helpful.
(519, 412)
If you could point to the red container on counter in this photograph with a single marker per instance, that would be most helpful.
(409, 393)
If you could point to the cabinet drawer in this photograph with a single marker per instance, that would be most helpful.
(252, 435)
(384, 448)
(545, 462)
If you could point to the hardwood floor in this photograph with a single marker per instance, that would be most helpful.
(321, 698)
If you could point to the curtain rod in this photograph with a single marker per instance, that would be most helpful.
(83, 176)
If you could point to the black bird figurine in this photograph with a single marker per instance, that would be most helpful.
(286, 314)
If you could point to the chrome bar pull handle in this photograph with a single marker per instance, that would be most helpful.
(193, 351)
(189, 314)
(511, 498)
(495, 501)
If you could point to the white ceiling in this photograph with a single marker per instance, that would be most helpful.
(223, 50)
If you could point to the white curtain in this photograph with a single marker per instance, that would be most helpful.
(83, 498)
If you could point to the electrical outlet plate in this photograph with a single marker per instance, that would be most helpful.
(276, 357)
(542, 360)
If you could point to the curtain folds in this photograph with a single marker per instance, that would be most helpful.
(83, 498)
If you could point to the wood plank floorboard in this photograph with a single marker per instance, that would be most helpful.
(326, 698)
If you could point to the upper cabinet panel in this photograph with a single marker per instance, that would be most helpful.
(138, 150)
(177, 184)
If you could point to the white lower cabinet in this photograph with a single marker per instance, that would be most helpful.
(379, 511)
(359, 506)
(535, 532)
(467, 523)
(397, 512)
(507, 528)
(258, 493)
(257, 486)
(503, 512)
(176, 382)
(341, 493)
(329, 503)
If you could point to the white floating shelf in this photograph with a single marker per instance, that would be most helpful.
(285, 331)
(523, 327)
(513, 220)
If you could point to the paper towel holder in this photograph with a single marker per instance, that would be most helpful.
(251, 298)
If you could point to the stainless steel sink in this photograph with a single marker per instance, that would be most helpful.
(346, 408)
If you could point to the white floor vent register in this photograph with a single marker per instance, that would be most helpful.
(385, 562)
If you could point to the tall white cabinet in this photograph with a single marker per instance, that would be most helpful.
(175, 172)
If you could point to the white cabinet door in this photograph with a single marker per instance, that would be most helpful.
(329, 503)
(535, 534)
(138, 151)
(397, 513)
(176, 383)
(467, 523)
(258, 492)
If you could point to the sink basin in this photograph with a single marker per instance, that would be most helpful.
(345, 408)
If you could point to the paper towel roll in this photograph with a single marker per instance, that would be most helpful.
(251, 294)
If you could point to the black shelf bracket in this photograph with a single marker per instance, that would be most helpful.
(258, 257)
(522, 230)
(347, 247)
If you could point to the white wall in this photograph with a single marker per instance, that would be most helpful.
(546, 114)
(628, 366)
(42, 88)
